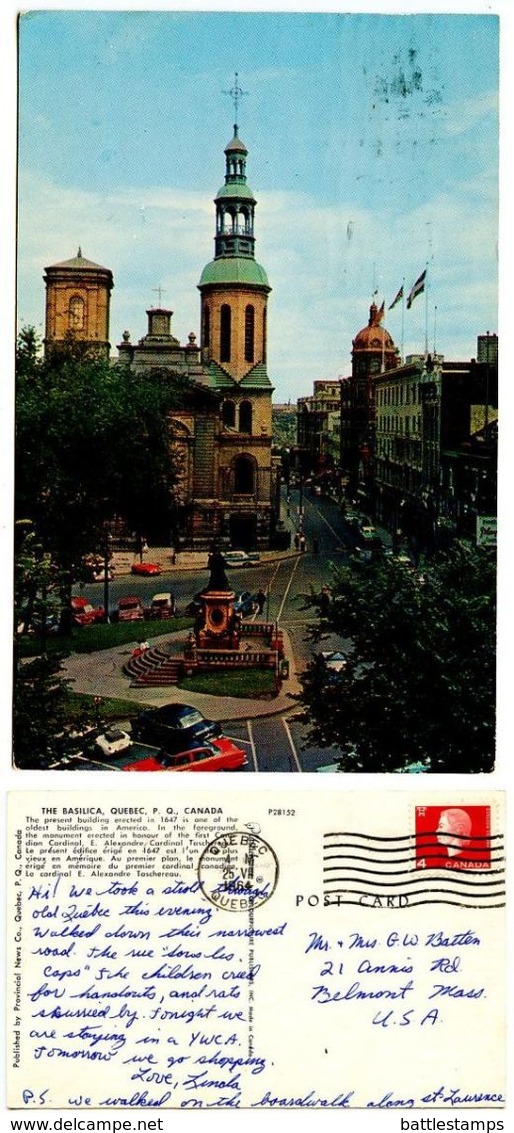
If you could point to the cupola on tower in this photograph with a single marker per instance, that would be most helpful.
(233, 286)
(78, 294)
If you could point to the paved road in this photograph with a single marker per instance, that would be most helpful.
(277, 742)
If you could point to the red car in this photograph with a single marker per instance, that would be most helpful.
(130, 609)
(219, 754)
(84, 614)
(146, 568)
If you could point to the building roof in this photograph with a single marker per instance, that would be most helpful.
(218, 378)
(234, 269)
(236, 144)
(374, 336)
(79, 263)
(235, 190)
(256, 378)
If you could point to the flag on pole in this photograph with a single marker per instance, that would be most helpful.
(396, 299)
(418, 287)
(381, 311)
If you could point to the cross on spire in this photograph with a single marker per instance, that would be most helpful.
(159, 290)
(236, 94)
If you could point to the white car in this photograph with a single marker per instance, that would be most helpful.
(235, 558)
(113, 741)
(334, 661)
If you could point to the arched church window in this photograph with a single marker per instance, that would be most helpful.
(225, 332)
(206, 326)
(228, 413)
(244, 476)
(249, 333)
(245, 417)
(76, 313)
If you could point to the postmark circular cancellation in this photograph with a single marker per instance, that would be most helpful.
(238, 871)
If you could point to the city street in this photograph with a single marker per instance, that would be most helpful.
(274, 741)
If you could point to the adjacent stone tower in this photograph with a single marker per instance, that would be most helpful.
(78, 294)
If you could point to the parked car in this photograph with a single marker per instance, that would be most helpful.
(352, 518)
(99, 575)
(95, 567)
(236, 558)
(245, 604)
(405, 562)
(163, 606)
(334, 660)
(174, 727)
(112, 742)
(83, 613)
(130, 609)
(219, 754)
(40, 622)
(146, 569)
(368, 532)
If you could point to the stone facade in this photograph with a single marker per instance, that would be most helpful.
(77, 303)
(221, 434)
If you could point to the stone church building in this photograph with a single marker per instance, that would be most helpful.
(221, 436)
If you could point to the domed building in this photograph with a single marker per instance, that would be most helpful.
(373, 353)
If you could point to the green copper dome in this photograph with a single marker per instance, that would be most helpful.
(235, 190)
(234, 269)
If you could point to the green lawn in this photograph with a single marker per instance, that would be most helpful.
(243, 683)
(90, 639)
(80, 706)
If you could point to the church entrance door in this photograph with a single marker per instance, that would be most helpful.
(243, 532)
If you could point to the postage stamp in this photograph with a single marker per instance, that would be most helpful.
(453, 837)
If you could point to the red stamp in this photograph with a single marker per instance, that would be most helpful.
(453, 837)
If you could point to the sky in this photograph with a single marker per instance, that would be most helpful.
(372, 151)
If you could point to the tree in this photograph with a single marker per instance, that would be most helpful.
(40, 691)
(93, 443)
(419, 684)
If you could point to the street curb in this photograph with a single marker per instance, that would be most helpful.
(124, 569)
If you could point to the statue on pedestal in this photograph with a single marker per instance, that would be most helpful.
(218, 579)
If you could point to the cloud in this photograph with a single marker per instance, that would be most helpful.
(322, 281)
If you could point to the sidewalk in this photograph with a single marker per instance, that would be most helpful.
(185, 560)
(101, 674)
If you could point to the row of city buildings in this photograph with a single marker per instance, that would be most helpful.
(413, 442)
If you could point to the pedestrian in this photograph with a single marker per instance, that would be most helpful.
(260, 599)
(173, 556)
(297, 540)
(302, 543)
(325, 600)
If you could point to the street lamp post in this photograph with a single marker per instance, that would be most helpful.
(107, 550)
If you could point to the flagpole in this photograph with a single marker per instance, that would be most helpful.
(426, 311)
(403, 316)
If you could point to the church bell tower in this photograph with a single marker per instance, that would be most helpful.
(234, 293)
